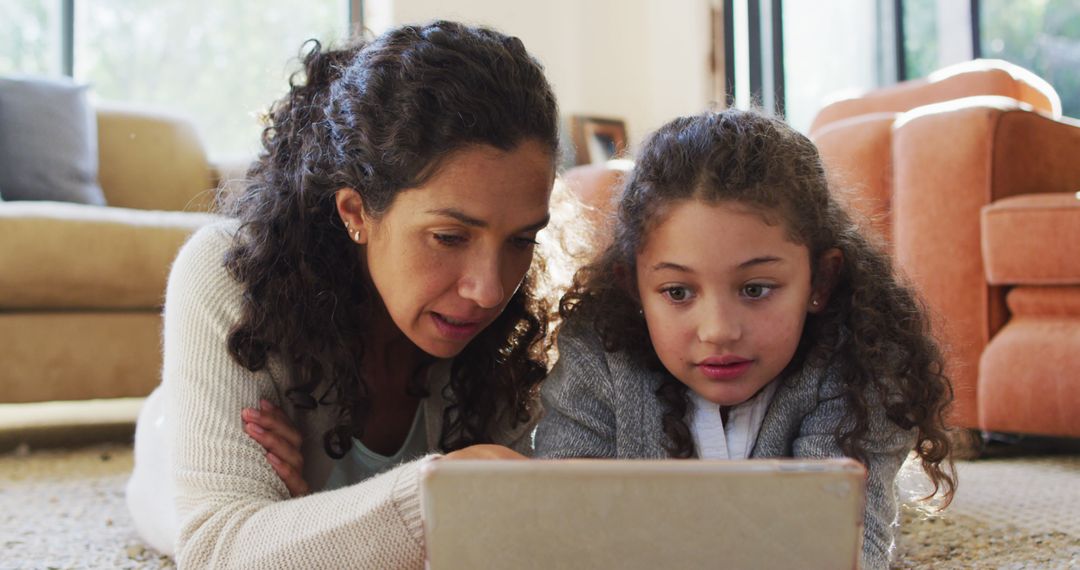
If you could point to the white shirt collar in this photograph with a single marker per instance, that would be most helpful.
(736, 440)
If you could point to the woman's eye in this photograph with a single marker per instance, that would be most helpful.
(756, 290)
(525, 242)
(449, 239)
(677, 294)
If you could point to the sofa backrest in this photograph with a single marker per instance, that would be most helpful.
(970, 78)
(151, 160)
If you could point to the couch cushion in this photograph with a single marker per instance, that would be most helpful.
(1044, 301)
(71, 256)
(1028, 378)
(48, 141)
(1032, 240)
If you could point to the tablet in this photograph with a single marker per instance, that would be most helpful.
(643, 514)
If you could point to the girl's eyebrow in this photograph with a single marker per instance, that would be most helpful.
(748, 263)
(478, 223)
(759, 261)
(671, 266)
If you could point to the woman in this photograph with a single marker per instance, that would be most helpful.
(374, 289)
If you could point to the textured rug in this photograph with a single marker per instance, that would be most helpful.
(65, 509)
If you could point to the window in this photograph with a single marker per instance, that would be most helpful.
(936, 33)
(220, 63)
(921, 55)
(831, 48)
(30, 38)
(820, 66)
(1040, 35)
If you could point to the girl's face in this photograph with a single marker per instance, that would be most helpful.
(447, 256)
(725, 296)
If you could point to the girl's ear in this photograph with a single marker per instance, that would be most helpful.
(829, 265)
(350, 207)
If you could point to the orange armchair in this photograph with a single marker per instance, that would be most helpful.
(855, 135)
(976, 197)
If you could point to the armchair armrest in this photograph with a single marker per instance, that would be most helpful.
(150, 160)
(1032, 239)
(950, 160)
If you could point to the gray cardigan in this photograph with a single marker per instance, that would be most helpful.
(600, 404)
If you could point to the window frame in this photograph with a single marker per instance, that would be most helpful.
(67, 31)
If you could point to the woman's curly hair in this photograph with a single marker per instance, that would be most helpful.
(379, 118)
(873, 328)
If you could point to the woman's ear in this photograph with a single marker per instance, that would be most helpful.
(350, 207)
(829, 265)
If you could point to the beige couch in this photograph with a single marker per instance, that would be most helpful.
(81, 287)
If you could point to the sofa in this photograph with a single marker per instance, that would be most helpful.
(970, 179)
(81, 286)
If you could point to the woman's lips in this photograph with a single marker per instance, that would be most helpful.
(456, 328)
(724, 367)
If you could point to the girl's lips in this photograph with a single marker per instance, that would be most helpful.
(457, 329)
(724, 368)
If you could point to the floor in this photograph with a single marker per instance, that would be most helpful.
(1013, 510)
(65, 509)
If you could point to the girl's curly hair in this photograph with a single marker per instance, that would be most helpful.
(874, 329)
(379, 118)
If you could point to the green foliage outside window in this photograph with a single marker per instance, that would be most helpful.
(221, 63)
(29, 42)
(920, 38)
(1040, 35)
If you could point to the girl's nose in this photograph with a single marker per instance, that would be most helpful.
(719, 324)
(481, 283)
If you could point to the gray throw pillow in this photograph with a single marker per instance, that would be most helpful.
(48, 141)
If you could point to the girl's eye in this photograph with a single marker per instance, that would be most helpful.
(449, 239)
(756, 290)
(677, 294)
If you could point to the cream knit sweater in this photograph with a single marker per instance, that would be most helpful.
(233, 510)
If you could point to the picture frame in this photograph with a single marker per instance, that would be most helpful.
(597, 139)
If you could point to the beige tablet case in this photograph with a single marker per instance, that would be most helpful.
(600, 514)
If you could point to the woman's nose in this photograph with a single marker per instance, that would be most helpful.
(482, 284)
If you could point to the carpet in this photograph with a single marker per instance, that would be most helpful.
(65, 508)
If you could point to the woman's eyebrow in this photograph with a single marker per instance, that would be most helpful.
(478, 223)
(459, 216)
(535, 227)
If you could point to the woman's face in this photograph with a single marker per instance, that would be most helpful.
(448, 255)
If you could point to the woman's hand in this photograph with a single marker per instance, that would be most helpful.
(271, 429)
(484, 451)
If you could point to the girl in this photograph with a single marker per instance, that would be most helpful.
(373, 290)
(738, 313)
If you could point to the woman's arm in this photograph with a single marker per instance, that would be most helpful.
(234, 510)
(273, 430)
(579, 416)
(886, 446)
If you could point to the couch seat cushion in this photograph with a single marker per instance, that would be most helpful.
(1032, 240)
(58, 255)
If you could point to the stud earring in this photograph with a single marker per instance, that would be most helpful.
(351, 232)
(814, 302)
